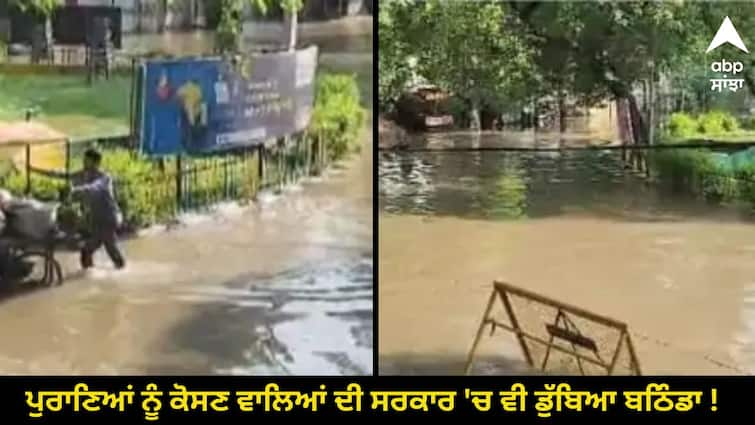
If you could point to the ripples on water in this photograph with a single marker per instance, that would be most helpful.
(515, 185)
(479, 184)
(310, 320)
(686, 234)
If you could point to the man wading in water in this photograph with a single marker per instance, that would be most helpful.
(96, 191)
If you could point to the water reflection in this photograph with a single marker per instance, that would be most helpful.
(313, 320)
(509, 198)
(573, 225)
(508, 184)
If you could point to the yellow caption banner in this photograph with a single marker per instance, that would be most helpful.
(553, 398)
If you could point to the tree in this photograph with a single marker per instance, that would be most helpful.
(291, 9)
(42, 8)
(394, 51)
(613, 46)
(230, 26)
(496, 55)
(41, 38)
(466, 48)
(476, 55)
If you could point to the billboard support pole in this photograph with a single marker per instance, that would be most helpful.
(226, 189)
(68, 158)
(179, 181)
(28, 168)
(131, 98)
(261, 168)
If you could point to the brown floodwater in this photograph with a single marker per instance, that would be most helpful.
(571, 225)
(283, 286)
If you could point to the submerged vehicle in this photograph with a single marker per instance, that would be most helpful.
(424, 108)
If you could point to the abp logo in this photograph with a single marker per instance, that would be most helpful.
(727, 34)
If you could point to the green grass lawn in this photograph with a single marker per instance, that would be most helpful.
(67, 103)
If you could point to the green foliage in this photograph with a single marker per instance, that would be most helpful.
(213, 9)
(147, 192)
(466, 48)
(395, 49)
(142, 190)
(291, 6)
(748, 123)
(227, 35)
(139, 186)
(338, 116)
(44, 188)
(495, 54)
(706, 174)
(682, 125)
(230, 26)
(714, 123)
(730, 123)
(746, 181)
(44, 8)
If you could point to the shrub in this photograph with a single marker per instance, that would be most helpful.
(730, 123)
(710, 123)
(143, 191)
(746, 178)
(43, 188)
(717, 122)
(147, 191)
(338, 116)
(682, 125)
(138, 186)
(700, 172)
(748, 123)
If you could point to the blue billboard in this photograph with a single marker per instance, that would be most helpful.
(205, 105)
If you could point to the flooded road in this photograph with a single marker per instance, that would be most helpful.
(572, 225)
(281, 287)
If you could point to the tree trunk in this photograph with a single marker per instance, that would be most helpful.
(291, 22)
(487, 119)
(639, 129)
(191, 15)
(651, 110)
(621, 90)
(139, 13)
(474, 117)
(41, 41)
(561, 113)
(162, 16)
